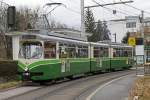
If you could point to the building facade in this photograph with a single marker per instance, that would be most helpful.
(132, 24)
(121, 26)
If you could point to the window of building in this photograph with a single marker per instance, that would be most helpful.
(131, 25)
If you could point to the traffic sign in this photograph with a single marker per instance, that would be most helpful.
(132, 41)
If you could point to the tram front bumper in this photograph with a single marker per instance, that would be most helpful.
(27, 76)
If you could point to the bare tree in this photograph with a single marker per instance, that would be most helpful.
(26, 18)
(3, 29)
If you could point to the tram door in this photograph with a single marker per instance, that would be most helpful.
(63, 55)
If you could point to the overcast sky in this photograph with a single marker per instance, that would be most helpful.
(71, 16)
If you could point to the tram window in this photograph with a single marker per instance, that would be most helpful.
(122, 52)
(127, 52)
(67, 51)
(82, 53)
(104, 52)
(49, 50)
(96, 52)
(73, 51)
(116, 52)
(63, 52)
(31, 50)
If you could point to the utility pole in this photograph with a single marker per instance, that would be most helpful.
(98, 5)
(142, 32)
(115, 37)
(139, 48)
(142, 24)
(82, 18)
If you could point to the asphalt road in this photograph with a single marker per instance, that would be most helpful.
(116, 90)
(78, 89)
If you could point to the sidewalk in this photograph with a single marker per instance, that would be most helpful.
(117, 90)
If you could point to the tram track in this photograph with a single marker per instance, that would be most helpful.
(70, 90)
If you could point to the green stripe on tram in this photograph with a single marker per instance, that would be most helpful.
(43, 62)
(21, 65)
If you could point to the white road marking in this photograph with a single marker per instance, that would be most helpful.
(102, 86)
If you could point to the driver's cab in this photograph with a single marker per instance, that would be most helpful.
(26, 46)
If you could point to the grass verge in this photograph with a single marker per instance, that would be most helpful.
(9, 84)
(141, 89)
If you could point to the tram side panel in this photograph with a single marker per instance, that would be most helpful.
(94, 58)
(100, 60)
(73, 59)
(79, 66)
(46, 70)
(119, 63)
(122, 58)
(67, 65)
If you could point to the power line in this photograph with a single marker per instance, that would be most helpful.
(68, 8)
(109, 4)
(136, 8)
(110, 8)
(122, 9)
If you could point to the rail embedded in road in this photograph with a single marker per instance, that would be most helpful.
(71, 90)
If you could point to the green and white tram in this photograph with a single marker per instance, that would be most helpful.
(44, 58)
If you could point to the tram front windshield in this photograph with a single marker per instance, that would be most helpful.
(31, 50)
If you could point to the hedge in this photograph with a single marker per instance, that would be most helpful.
(8, 68)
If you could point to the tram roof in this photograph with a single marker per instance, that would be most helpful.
(53, 38)
(45, 37)
(115, 45)
(121, 46)
(100, 44)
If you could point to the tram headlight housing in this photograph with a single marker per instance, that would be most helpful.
(26, 69)
(26, 73)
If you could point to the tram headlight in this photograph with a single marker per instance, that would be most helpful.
(26, 69)
(26, 73)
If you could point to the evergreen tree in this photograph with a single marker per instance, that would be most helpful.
(125, 38)
(89, 22)
(99, 32)
(105, 32)
(97, 35)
